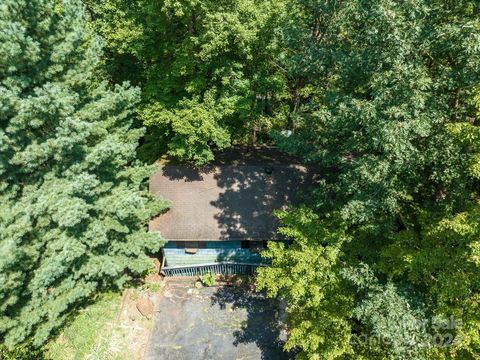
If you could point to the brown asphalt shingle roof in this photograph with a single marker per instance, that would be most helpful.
(225, 202)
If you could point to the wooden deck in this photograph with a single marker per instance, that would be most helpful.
(223, 268)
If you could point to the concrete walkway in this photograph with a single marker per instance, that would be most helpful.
(225, 323)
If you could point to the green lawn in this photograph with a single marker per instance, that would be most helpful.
(91, 334)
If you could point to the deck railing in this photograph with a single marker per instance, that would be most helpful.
(223, 268)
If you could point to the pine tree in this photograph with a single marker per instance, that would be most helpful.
(74, 206)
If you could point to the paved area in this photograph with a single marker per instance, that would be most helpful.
(225, 323)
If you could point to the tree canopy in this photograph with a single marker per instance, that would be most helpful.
(392, 126)
(207, 69)
(381, 98)
(74, 209)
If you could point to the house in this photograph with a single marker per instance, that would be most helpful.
(221, 215)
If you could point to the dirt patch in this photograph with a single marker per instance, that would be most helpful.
(133, 327)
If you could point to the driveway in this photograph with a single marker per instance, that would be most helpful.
(215, 323)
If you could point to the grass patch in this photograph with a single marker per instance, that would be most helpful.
(91, 334)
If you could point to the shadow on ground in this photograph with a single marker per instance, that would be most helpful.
(215, 323)
(261, 326)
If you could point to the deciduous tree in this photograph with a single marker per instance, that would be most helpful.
(391, 127)
(207, 69)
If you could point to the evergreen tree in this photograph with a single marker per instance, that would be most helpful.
(74, 209)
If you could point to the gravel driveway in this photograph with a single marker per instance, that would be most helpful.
(214, 323)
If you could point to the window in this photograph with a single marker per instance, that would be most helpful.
(254, 246)
(180, 244)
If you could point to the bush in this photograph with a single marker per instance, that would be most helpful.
(209, 279)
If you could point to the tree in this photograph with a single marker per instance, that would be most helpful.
(74, 206)
(390, 126)
(336, 310)
(207, 69)
(306, 275)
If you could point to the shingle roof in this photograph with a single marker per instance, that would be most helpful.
(225, 202)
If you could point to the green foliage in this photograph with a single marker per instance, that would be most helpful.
(209, 279)
(151, 287)
(21, 352)
(154, 287)
(382, 97)
(306, 276)
(385, 94)
(390, 319)
(74, 208)
(443, 258)
(90, 333)
(193, 127)
(206, 68)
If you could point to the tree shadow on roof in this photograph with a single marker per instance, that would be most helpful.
(254, 155)
(228, 202)
(186, 173)
(261, 327)
(249, 196)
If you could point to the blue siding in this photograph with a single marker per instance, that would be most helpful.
(215, 251)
